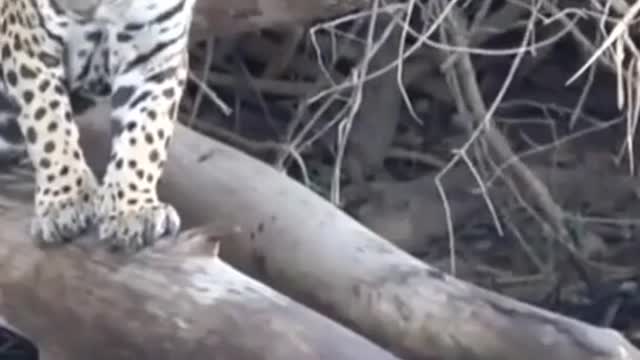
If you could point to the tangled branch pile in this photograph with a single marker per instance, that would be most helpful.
(494, 139)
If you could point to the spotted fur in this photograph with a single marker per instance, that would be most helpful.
(131, 51)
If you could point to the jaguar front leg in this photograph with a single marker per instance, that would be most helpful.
(65, 186)
(144, 108)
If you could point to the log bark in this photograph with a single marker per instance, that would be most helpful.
(305, 247)
(223, 17)
(170, 302)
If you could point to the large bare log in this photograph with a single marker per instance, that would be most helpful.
(307, 248)
(223, 17)
(175, 301)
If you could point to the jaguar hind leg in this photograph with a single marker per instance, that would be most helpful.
(12, 147)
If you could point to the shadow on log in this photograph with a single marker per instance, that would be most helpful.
(175, 301)
(302, 245)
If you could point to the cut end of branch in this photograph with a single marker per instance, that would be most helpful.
(201, 241)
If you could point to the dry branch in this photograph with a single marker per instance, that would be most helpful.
(170, 302)
(304, 246)
(375, 125)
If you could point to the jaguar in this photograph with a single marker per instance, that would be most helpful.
(131, 54)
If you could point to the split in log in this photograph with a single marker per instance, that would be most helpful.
(302, 245)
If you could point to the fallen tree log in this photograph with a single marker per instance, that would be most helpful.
(223, 17)
(302, 245)
(175, 301)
